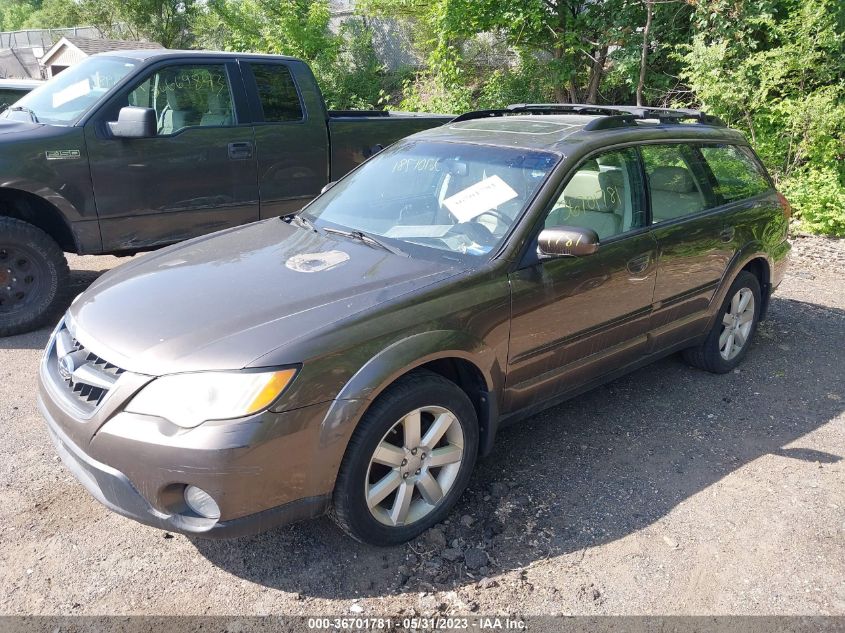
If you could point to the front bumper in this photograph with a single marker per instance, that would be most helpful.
(114, 490)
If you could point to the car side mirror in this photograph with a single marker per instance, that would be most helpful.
(134, 122)
(328, 186)
(567, 241)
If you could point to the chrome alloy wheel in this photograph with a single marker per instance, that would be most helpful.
(414, 466)
(737, 323)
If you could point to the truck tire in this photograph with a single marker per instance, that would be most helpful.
(33, 273)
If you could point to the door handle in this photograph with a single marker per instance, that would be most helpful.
(240, 150)
(639, 264)
(727, 234)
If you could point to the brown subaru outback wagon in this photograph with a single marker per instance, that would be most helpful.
(358, 357)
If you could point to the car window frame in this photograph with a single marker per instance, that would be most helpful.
(719, 207)
(527, 253)
(699, 170)
(749, 153)
(240, 110)
(253, 96)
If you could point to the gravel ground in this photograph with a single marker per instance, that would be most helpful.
(669, 491)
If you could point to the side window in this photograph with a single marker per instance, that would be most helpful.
(186, 96)
(604, 194)
(737, 174)
(674, 188)
(277, 92)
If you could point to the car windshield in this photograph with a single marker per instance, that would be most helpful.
(454, 197)
(69, 95)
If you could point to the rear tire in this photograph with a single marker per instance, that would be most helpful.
(728, 341)
(33, 274)
(408, 461)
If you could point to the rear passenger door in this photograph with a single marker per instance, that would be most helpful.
(291, 138)
(693, 247)
(746, 196)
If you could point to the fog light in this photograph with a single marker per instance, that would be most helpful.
(201, 502)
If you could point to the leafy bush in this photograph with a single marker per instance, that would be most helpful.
(817, 197)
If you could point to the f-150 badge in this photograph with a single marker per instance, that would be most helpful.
(62, 154)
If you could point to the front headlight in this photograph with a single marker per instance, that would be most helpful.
(188, 400)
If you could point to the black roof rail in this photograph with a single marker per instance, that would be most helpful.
(615, 116)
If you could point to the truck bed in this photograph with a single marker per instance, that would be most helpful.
(355, 134)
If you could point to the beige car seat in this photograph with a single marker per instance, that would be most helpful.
(673, 193)
(593, 200)
(218, 110)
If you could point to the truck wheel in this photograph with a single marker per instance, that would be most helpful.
(728, 342)
(33, 272)
(408, 461)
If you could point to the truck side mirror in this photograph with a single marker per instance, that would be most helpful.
(565, 241)
(134, 122)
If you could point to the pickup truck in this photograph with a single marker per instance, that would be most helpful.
(134, 150)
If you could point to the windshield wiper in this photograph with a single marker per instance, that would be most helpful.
(368, 239)
(300, 221)
(31, 114)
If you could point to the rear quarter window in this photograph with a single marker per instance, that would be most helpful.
(737, 175)
(277, 92)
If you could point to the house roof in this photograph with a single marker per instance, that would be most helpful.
(91, 46)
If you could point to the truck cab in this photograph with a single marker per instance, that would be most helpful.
(135, 150)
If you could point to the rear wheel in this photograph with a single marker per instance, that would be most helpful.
(33, 271)
(408, 461)
(728, 342)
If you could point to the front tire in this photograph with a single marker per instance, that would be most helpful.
(33, 272)
(727, 343)
(408, 461)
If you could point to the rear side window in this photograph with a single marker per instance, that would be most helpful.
(277, 92)
(674, 181)
(737, 174)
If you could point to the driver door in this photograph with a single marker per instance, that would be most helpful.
(197, 175)
(577, 318)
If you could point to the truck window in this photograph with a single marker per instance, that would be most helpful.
(186, 96)
(737, 174)
(64, 99)
(277, 92)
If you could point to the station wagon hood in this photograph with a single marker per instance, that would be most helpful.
(222, 301)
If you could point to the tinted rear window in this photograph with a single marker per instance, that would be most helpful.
(279, 99)
(738, 176)
(9, 95)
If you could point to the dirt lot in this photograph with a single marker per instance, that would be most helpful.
(670, 491)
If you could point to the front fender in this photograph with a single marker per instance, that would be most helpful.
(381, 371)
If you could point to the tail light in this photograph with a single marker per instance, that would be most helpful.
(787, 208)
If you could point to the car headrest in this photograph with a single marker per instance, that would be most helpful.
(216, 104)
(586, 192)
(674, 179)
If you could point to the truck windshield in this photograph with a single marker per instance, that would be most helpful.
(455, 197)
(69, 95)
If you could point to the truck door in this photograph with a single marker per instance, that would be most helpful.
(291, 136)
(197, 175)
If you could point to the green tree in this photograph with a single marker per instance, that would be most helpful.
(777, 71)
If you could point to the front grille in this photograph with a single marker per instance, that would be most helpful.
(86, 376)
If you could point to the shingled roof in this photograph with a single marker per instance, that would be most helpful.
(91, 46)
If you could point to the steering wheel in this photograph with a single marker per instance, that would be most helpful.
(501, 217)
(478, 233)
